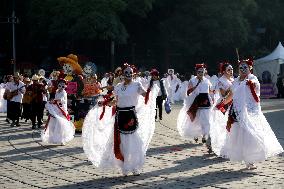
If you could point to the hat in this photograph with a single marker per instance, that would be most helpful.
(117, 69)
(17, 74)
(73, 61)
(27, 79)
(154, 72)
(35, 77)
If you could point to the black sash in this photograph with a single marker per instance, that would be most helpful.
(126, 120)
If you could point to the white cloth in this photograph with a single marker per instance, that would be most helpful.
(3, 102)
(12, 86)
(218, 130)
(203, 120)
(98, 137)
(59, 129)
(181, 93)
(251, 138)
(127, 96)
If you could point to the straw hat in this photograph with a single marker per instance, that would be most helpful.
(73, 61)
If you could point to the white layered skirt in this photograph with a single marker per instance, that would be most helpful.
(98, 137)
(3, 102)
(200, 126)
(59, 129)
(251, 139)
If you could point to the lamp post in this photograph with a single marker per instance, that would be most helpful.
(14, 20)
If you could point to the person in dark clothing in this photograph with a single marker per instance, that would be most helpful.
(37, 104)
(162, 94)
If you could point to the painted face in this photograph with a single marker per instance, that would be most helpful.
(61, 85)
(229, 70)
(200, 72)
(128, 73)
(88, 70)
(244, 69)
(68, 69)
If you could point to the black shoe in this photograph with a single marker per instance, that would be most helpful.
(161, 118)
(7, 120)
(196, 139)
(203, 140)
(12, 124)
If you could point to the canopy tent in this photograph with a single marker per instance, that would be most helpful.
(268, 67)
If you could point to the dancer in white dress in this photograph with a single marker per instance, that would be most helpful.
(218, 131)
(250, 137)
(3, 102)
(59, 129)
(118, 136)
(195, 118)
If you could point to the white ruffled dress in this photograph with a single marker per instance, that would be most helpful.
(251, 138)
(98, 135)
(203, 120)
(59, 129)
(218, 130)
(3, 102)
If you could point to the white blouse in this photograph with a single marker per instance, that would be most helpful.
(127, 96)
(62, 97)
(203, 87)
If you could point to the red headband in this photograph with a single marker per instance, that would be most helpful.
(197, 66)
(154, 72)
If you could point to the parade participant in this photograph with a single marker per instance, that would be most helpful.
(59, 129)
(9, 81)
(75, 85)
(250, 137)
(118, 76)
(195, 117)
(162, 94)
(37, 104)
(173, 82)
(3, 102)
(119, 139)
(52, 85)
(220, 114)
(15, 89)
(27, 99)
(181, 89)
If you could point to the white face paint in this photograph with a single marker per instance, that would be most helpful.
(244, 69)
(88, 70)
(68, 69)
(128, 73)
(61, 85)
(229, 70)
(200, 72)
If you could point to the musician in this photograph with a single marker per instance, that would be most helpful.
(38, 91)
(16, 90)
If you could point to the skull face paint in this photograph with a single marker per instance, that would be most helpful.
(128, 73)
(61, 85)
(244, 69)
(200, 72)
(229, 70)
(68, 69)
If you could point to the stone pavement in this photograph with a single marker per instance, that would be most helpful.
(171, 162)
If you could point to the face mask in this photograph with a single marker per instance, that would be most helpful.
(229, 69)
(128, 73)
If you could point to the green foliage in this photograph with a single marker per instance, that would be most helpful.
(88, 19)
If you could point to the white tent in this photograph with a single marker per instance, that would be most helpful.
(269, 66)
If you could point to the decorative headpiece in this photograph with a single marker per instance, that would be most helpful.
(154, 72)
(73, 61)
(198, 66)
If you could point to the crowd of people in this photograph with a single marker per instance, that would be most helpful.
(117, 113)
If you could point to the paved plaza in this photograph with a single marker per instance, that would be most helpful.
(171, 162)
